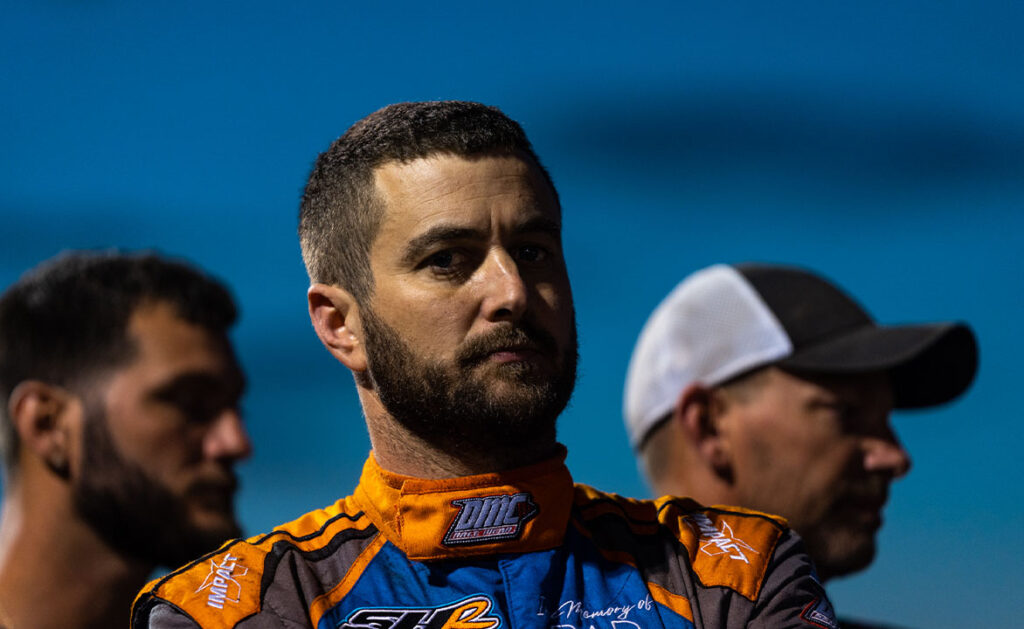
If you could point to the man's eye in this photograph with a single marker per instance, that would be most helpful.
(449, 264)
(531, 253)
(441, 260)
(197, 406)
(848, 414)
(193, 411)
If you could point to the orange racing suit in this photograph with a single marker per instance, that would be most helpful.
(522, 549)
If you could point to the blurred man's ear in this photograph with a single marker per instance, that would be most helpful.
(698, 413)
(335, 317)
(43, 416)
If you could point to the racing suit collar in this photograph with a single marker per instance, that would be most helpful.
(516, 511)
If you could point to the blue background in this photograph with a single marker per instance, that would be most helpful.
(881, 143)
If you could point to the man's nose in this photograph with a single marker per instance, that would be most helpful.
(227, 438)
(504, 292)
(886, 455)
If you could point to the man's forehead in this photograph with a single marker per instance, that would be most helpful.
(875, 385)
(165, 340)
(441, 173)
(419, 193)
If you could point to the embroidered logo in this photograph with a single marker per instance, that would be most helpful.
(720, 541)
(573, 613)
(222, 583)
(819, 613)
(470, 613)
(489, 518)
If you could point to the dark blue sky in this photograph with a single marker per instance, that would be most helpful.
(881, 143)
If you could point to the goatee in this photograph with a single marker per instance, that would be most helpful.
(472, 407)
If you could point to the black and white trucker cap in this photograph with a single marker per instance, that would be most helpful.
(725, 320)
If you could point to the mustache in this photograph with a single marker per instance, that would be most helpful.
(223, 483)
(874, 490)
(523, 335)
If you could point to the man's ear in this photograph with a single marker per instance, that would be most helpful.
(698, 411)
(335, 316)
(43, 415)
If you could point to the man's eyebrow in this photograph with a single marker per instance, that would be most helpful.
(419, 245)
(541, 224)
(233, 385)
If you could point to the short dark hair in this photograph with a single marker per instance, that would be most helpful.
(341, 213)
(65, 321)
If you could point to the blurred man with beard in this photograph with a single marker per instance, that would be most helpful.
(432, 236)
(120, 428)
(767, 387)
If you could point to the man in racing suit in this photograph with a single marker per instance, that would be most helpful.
(432, 236)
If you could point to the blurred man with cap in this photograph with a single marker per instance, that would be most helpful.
(768, 387)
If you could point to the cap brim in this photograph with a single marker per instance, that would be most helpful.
(928, 364)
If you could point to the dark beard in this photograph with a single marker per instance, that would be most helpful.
(845, 553)
(135, 515)
(454, 409)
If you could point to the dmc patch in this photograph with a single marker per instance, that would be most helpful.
(469, 612)
(489, 518)
(819, 613)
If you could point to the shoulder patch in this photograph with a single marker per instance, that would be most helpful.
(819, 613)
(726, 548)
(225, 587)
(219, 590)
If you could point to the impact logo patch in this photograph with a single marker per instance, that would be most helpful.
(489, 518)
(819, 613)
(222, 583)
(469, 613)
(722, 541)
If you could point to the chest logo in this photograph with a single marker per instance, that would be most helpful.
(469, 613)
(489, 518)
(222, 582)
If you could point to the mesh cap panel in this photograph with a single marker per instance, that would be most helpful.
(712, 327)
